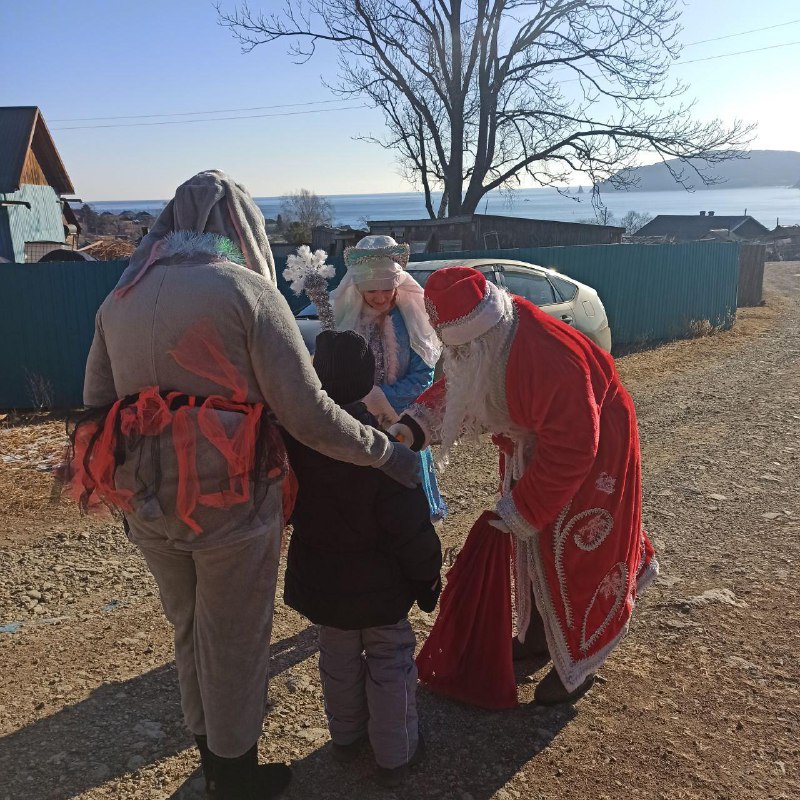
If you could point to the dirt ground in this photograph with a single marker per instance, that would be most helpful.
(700, 701)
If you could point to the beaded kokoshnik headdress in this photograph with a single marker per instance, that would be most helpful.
(376, 262)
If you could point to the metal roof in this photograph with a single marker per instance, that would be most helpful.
(23, 128)
(693, 226)
(467, 219)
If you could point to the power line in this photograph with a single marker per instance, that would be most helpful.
(698, 60)
(743, 33)
(739, 53)
(347, 108)
(328, 102)
(215, 119)
(192, 113)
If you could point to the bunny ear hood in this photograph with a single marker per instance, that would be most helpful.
(209, 202)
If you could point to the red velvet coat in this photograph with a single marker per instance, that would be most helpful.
(576, 503)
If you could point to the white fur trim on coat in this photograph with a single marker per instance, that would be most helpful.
(507, 510)
(426, 418)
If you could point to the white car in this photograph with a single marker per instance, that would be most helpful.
(561, 297)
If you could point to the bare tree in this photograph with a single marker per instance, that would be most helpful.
(301, 212)
(479, 94)
(633, 221)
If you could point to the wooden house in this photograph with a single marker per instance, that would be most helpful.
(34, 217)
(693, 227)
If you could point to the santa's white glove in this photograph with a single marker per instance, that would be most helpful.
(402, 433)
(500, 525)
(379, 406)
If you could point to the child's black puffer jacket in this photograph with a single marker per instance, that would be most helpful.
(363, 548)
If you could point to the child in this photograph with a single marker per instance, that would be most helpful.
(362, 551)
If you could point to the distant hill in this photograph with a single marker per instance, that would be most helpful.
(759, 168)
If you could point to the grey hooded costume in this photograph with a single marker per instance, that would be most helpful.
(218, 588)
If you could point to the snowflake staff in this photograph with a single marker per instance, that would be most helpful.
(572, 488)
(307, 272)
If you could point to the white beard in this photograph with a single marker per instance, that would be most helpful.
(475, 373)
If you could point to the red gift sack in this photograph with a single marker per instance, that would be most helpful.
(468, 653)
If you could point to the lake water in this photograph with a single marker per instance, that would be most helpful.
(766, 204)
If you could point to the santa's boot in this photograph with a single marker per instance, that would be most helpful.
(535, 645)
(206, 762)
(550, 691)
(243, 778)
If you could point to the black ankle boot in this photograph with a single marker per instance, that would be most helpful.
(550, 691)
(243, 778)
(206, 762)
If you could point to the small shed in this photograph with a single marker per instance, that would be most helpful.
(334, 241)
(476, 232)
(33, 216)
(693, 227)
(783, 243)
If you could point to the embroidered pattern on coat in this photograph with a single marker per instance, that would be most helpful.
(614, 585)
(605, 483)
(588, 537)
(594, 531)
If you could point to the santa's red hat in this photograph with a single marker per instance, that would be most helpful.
(462, 304)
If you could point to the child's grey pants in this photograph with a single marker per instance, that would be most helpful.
(369, 680)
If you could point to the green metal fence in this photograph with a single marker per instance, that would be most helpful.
(651, 293)
(46, 325)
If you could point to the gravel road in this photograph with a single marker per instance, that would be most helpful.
(701, 700)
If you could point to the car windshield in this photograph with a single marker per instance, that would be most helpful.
(421, 275)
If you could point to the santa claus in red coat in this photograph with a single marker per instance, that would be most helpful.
(569, 456)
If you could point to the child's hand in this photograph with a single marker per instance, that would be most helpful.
(379, 406)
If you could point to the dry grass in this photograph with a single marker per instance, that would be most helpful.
(110, 249)
(30, 446)
(690, 355)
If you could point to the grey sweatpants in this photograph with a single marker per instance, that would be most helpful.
(369, 681)
(220, 601)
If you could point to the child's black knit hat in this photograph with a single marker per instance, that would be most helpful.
(345, 365)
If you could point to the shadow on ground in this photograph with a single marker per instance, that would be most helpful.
(462, 761)
(118, 728)
(129, 725)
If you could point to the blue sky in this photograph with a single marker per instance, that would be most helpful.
(92, 58)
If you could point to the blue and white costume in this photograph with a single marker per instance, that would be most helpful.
(402, 340)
